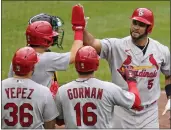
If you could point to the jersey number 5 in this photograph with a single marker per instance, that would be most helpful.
(150, 83)
(21, 115)
(86, 115)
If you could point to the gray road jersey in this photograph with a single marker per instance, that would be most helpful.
(122, 52)
(89, 104)
(44, 69)
(26, 104)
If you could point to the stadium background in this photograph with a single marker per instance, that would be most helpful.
(107, 19)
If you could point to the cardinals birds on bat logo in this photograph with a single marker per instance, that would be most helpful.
(153, 61)
(128, 61)
(125, 63)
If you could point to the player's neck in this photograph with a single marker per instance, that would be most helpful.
(28, 76)
(142, 42)
(39, 50)
(86, 76)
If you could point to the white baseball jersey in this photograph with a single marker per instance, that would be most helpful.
(48, 64)
(122, 52)
(88, 103)
(26, 104)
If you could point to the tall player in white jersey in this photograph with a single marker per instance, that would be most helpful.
(148, 57)
(88, 102)
(25, 103)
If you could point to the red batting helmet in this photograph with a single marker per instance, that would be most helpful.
(24, 60)
(86, 59)
(40, 33)
(144, 15)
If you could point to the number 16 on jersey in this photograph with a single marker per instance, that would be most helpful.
(89, 118)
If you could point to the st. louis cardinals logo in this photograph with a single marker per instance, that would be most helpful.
(126, 63)
(82, 65)
(17, 68)
(28, 38)
(141, 12)
(153, 61)
(141, 71)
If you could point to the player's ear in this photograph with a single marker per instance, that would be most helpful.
(32, 72)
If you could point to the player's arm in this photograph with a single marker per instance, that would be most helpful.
(76, 45)
(50, 111)
(103, 47)
(165, 69)
(130, 78)
(89, 40)
(132, 85)
(78, 25)
(168, 94)
(59, 118)
(168, 86)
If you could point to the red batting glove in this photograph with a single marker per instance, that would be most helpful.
(127, 73)
(130, 75)
(78, 18)
(54, 88)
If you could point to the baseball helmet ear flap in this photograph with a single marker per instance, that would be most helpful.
(150, 28)
(144, 15)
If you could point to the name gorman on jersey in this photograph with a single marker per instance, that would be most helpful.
(86, 92)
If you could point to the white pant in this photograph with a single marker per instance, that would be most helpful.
(147, 118)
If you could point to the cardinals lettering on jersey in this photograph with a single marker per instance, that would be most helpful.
(86, 92)
(142, 71)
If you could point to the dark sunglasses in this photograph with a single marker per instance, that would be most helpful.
(135, 22)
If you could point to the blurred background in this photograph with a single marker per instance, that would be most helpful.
(107, 19)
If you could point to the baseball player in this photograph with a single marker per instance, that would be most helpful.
(89, 101)
(25, 103)
(56, 23)
(148, 57)
(40, 35)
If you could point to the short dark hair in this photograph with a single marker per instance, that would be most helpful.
(85, 73)
(21, 74)
(34, 46)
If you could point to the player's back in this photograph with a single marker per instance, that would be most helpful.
(89, 103)
(49, 62)
(23, 103)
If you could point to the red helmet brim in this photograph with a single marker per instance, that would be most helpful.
(142, 20)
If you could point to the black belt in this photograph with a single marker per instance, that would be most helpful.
(146, 106)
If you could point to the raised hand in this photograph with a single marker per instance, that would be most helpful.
(128, 73)
(78, 19)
